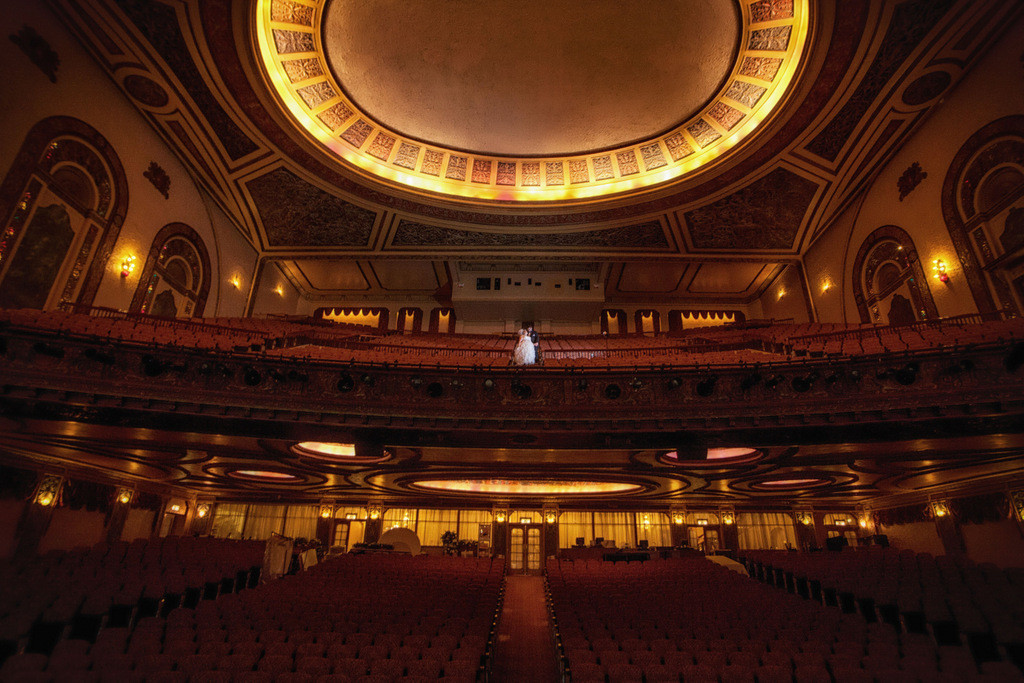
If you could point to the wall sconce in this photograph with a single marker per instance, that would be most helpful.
(939, 270)
(825, 286)
(374, 511)
(280, 290)
(124, 496)
(804, 518)
(781, 294)
(127, 265)
(863, 522)
(728, 518)
(940, 509)
(678, 518)
(550, 517)
(326, 511)
(500, 516)
(48, 491)
(236, 282)
(202, 510)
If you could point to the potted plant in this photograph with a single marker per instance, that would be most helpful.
(450, 541)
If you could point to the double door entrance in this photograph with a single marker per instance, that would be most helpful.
(525, 549)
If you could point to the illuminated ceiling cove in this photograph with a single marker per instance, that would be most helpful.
(527, 487)
(496, 102)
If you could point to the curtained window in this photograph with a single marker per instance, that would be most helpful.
(469, 524)
(400, 517)
(655, 528)
(573, 525)
(228, 520)
(264, 520)
(301, 521)
(616, 526)
(433, 523)
(765, 530)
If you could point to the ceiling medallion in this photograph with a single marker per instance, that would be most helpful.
(289, 37)
(526, 487)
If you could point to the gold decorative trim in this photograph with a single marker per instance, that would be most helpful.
(291, 52)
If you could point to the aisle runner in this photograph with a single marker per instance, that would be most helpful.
(524, 651)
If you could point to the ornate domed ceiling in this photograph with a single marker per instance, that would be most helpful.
(506, 101)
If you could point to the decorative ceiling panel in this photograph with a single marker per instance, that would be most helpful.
(771, 38)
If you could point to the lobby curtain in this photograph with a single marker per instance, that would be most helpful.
(616, 526)
(765, 530)
(301, 521)
(573, 525)
(228, 520)
(264, 520)
(433, 523)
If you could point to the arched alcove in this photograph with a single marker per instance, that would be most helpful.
(63, 202)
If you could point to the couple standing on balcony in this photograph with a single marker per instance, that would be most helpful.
(527, 351)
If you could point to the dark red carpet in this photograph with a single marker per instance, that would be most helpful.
(524, 650)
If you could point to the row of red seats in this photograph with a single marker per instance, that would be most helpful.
(301, 628)
(692, 619)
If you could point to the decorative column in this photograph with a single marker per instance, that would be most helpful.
(325, 524)
(202, 520)
(119, 513)
(374, 523)
(727, 529)
(35, 520)
(550, 531)
(805, 535)
(948, 528)
(499, 532)
(680, 534)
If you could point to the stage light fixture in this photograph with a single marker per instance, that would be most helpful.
(637, 384)
(296, 376)
(520, 390)
(582, 385)
(612, 391)
(675, 383)
(804, 383)
(750, 381)
(435, 390)
(1015, 359)
(151, 367)
(367, 379)
(251, 376)
(706, 386)
(773, 381)
(416, 382)
(346, 383)
(833, 376)
(488, 384)
(906, 375)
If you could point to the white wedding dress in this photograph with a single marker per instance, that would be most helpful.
(524, 353)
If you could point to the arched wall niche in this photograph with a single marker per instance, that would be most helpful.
(888, 280)
(983, 207)
(63, 202)
(175, 281)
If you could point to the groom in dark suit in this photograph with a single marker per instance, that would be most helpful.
(535, 338)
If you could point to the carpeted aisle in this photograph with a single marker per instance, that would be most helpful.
(524, 650)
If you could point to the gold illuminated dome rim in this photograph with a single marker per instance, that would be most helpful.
(290, 41)
(527, 487)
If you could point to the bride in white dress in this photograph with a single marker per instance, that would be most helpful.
(524, 353)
